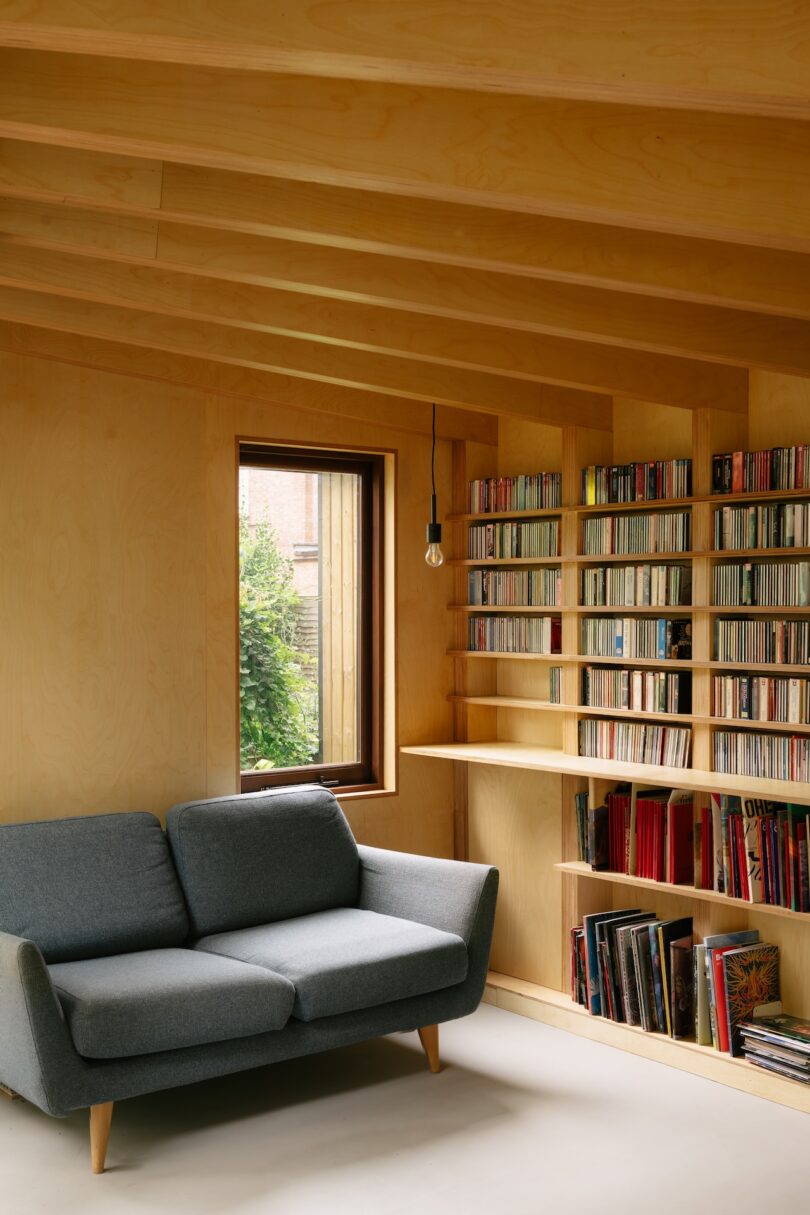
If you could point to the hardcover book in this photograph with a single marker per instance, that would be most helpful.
(682, 1003)
(750, 978)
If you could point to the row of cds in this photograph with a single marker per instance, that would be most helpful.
(642, 691)
(762, 584)
(635, 743)
(530, 538)
(773, 756)
(741, 472)
(631, 637)
(637, 586)
(555, 677)
(772, 525)
(667, 532)
(536, 491)
(762, 641)
(643, 481)
(761, 698)
(515, 634)
(515, 588)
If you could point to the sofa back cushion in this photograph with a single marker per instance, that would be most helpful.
(88, 887)
(262, 857)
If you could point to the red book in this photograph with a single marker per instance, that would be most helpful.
(680, 858)
(720, 995)
(736, 472)
(706, 849)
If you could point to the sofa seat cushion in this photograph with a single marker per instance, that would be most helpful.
(347, 959)
(162, 999)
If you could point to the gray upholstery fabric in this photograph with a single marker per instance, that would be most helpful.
(443, 894)
(38, 1059)
(85, 887)
(263, 857)
(165, 999)
(347, 959)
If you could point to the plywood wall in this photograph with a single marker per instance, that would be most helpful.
(118, 599)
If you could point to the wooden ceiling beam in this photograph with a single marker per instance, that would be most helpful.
(302, 230)
(311, 396)
(726, 177)
(380, 373)
(660, 52)
(536, 355)
(267, 271)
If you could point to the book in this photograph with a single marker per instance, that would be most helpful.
(679, 838)
(640, 939)
(598, 838)
(589, 924)
(711, 943)
(668, 931)
(703, 1027)
(682, 1003)
(750, 978)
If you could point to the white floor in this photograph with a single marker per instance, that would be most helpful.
(524, 1119)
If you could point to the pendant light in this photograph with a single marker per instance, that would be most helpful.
(434, 555)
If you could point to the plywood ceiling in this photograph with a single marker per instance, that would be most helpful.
(519, 207)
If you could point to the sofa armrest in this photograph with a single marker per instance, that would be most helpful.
(37, 1057)
(450, 895)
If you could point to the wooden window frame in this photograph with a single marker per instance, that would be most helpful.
(365, 775)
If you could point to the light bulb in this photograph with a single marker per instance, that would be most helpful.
(434, 557)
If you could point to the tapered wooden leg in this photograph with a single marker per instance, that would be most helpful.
(100, 1119)
(429, 1037)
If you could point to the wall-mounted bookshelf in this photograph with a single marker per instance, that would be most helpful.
(515, 743)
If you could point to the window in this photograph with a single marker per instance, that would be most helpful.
(310, 616)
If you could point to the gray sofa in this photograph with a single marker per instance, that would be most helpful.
(253, 930)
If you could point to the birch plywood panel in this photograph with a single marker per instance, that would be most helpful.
(514, 823)
(102, 533)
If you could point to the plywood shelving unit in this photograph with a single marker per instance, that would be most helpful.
(516, 755)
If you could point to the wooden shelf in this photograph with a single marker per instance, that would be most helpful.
(556, 1008)
(547, 759)
(512, 610)
(682, 609)
(554, 893)
(764, 495)
(748, 610)
(583, 870)
(546, 512)
(513, 702)
(675, 664)
(530, 703)
(647, 504)
(633, 558)
(773, 668)
(484, 562)
(501, 654)
(724, 554)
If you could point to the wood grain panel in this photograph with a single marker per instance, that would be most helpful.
(43, 224)
(779, 412)
(486, 348)
(103, 534)
(308, 395)
(627, 321)
(678, 54)
(312, 360)
(654, 168)
(58, 173)
(514, 823)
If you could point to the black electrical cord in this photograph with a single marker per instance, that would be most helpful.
(433, 454)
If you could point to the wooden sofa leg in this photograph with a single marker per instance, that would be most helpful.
(429, 1037)
(100, 1119)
